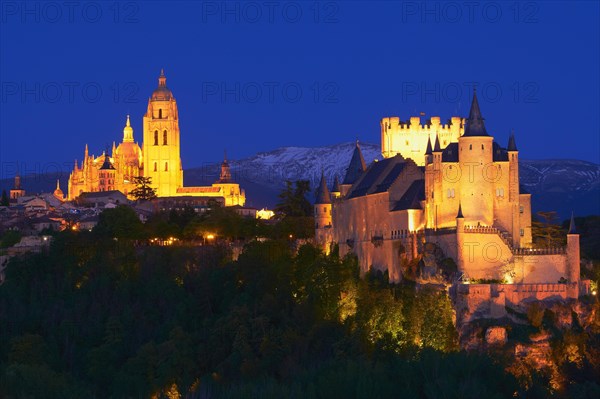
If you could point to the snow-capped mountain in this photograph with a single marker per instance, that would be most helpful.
(561, 185)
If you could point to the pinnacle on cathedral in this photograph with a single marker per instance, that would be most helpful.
(323, 196)
(357, 166)
(512, 146)
(127, 132)
(474, 125)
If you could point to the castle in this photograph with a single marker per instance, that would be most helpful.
(158, 158)
(453, 186)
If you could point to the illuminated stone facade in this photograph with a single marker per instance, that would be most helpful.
(158, 158)
(460, 191)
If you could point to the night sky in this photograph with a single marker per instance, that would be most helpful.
(254, 76)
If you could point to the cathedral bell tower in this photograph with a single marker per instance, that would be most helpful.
(162, 161)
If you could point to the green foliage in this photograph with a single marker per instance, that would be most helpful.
(143, 190)
(10, 238)
(98, 317)
(119, 222)
(546, 232)
(293, 202)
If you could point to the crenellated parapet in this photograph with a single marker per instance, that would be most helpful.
(409, 138)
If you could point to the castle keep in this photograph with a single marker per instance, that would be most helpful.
(454, 186)
(158, 158)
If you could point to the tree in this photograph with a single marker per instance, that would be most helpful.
(4, 201)
(293, 202)
(143, 190)
(119, 222)
(547, 232)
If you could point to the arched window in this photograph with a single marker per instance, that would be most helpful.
(155, 167)
(160, 113)
(165, 137)
(156, 137)
(166, 166)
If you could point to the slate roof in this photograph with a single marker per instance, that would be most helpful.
(474, 125)
(512, 145)
(323, 196)
(499, 154)
(412, 197)
(450, 153)
(356, 168)
(378, 177)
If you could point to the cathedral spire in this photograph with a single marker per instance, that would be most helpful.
(512, 146)
(474, 123)
(162, 79)
(225, 176)
(127, 132)
(323, 196)
(572, 229)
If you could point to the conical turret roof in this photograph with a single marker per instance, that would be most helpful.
(323, 196)
(357, 166)
(474, 124)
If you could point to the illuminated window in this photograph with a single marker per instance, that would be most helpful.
(521, 209)
(522, 232)
(165, 137)
(156, 137)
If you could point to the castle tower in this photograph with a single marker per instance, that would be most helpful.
(513, 187)
(477, 173)
(323, 218)
(436, 181)
(355, 169)
(162, 161)
(573, 259)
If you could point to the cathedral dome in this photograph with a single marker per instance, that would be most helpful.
(131, 153)
(162, 92)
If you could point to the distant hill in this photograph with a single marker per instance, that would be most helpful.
(557, 184)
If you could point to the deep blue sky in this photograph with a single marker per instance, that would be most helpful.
(365, 60)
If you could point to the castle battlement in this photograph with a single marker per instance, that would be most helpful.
(409, 138)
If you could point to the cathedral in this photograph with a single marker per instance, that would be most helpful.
(157, 158)
(451, 185)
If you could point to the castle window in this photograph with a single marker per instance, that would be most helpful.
(160, 113)
(166, 166)
(156, 137)
(406, 142)
(470, 146)
(521, 209)
(482, 146)
(155, 167)
(450, 193)
(522, 232)
(165, 137)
